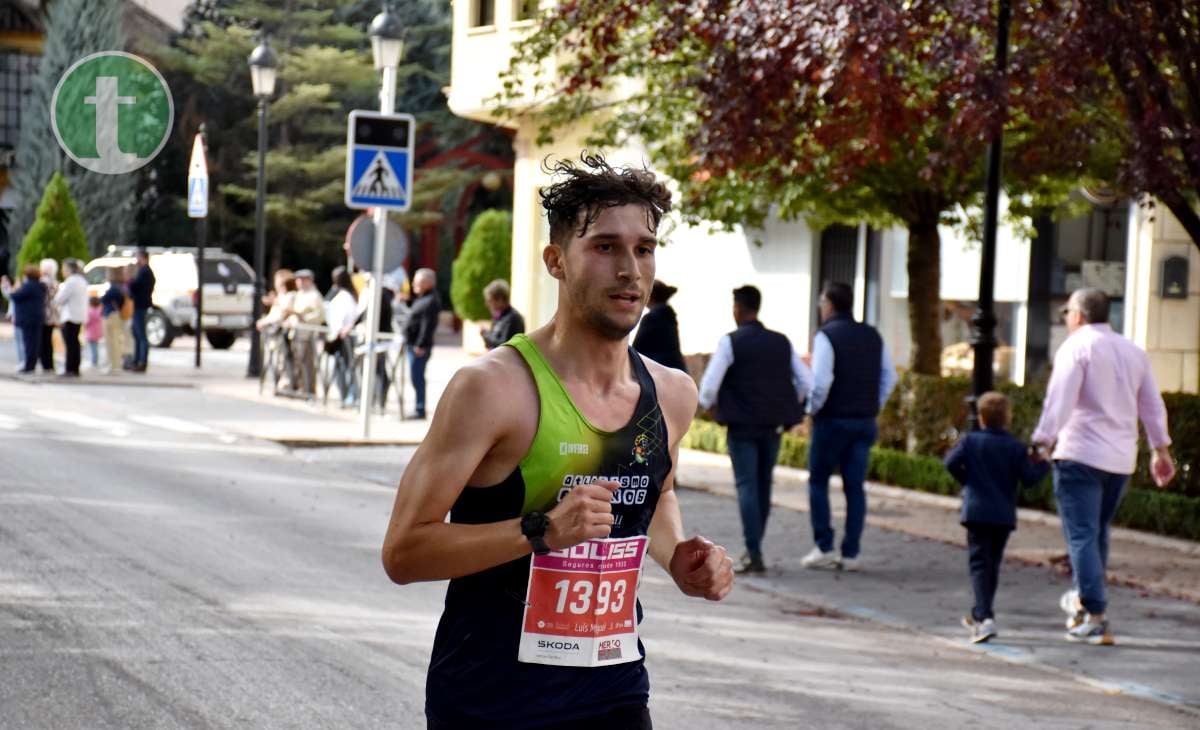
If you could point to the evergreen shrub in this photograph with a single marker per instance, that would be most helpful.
(486, 255)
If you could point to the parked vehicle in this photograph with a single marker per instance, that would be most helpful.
(228, 292)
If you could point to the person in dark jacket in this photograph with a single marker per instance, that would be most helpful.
(852, 378)
(506, 321)
(658, 333)
(29, 314)
(758, 384)
(418, 332)
(141, 290)
(990, 464)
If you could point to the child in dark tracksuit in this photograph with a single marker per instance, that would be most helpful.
(990, 464)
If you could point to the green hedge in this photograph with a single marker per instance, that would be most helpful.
(1142, 509)
(925, 416)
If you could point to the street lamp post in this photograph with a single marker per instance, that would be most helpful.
(387, 47)
(984, 341)
(263, 65)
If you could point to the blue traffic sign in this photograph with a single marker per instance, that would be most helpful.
(198, 197)
(379, 160)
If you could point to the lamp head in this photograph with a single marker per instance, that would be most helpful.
(264, 65)
(387, 39)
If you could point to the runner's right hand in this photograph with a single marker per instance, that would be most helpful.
(585, 513)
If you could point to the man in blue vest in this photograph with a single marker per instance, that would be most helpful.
(852, 378)
(758, 384)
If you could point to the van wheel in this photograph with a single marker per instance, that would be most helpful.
(159, 331)
(220, 339)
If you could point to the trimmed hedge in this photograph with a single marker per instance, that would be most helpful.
(1142, 509)
(925, 414)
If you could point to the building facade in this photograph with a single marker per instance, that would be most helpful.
(1119, 246)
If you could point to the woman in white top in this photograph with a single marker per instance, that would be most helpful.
(341, 313)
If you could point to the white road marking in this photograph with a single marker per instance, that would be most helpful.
(83, 421)
(167, 423)
(8, 423)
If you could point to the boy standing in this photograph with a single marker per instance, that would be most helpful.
(989, 464)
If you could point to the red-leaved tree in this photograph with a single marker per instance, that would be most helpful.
(836, 110)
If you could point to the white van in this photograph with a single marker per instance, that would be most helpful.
(228, 292)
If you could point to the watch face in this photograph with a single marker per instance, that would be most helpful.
(534, 524)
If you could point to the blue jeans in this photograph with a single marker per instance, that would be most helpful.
(416, 370)
(753, 457)
(19, 341)
(843, 443)
(141, 345)
(1087, 502)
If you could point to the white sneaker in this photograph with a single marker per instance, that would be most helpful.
(820, 559)
(1071, 605)
(850, 565)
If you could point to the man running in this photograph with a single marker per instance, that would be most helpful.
(561, 443)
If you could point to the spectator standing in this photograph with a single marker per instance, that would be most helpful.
(383, 381)
(991, 464)
(658, 333)
(419, 331)
(94, 330)
(112, 302)
(758, 384)
(852, 378)
(71, 303)
(49, 269)
(141, 289)
(1100, 386)
(6, 287)
(506, 321)
(340, 315)
(274, 322)
(29, 312)
(308, 311)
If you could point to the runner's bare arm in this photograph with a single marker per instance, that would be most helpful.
(699, 567)
(473, 417)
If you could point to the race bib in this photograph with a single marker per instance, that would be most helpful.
(580, 607)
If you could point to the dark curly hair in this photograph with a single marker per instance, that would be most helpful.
(589, 189)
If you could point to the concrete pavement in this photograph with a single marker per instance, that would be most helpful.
(173, 573)
(915, 579)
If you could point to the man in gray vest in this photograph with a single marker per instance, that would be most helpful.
(758, 384)
(852, 378)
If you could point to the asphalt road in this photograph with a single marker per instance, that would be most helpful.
(159, 571)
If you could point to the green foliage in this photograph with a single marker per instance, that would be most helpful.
(1151, 510)
(106, 202)
(486, 256)
(56, 233)
(325, 71)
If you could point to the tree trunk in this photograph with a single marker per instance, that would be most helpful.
(1184, 213)
(924, 296)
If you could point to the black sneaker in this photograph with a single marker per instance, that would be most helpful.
(750, 566)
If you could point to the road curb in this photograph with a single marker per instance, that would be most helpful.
(133, 381)
(333, 443)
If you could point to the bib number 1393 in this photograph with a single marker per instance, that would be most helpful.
(581, 604)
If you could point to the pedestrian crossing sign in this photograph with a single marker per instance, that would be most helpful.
(379, 160)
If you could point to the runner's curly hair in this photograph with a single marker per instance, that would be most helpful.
(573, 204)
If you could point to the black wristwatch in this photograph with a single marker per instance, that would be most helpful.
(533, 527)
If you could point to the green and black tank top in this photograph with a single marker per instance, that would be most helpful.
(474, 677)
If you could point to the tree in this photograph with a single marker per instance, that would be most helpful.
(56, 232)
(1151, 51)
(486, 255)
(834, 110)
(105, 201)
(325, 72)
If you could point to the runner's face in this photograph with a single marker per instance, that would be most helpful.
(608, 271)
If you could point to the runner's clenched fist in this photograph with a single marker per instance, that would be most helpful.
(585, 513)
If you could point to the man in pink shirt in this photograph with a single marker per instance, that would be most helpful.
(1100, 386)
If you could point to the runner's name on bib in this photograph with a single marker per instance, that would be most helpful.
(580, 607)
